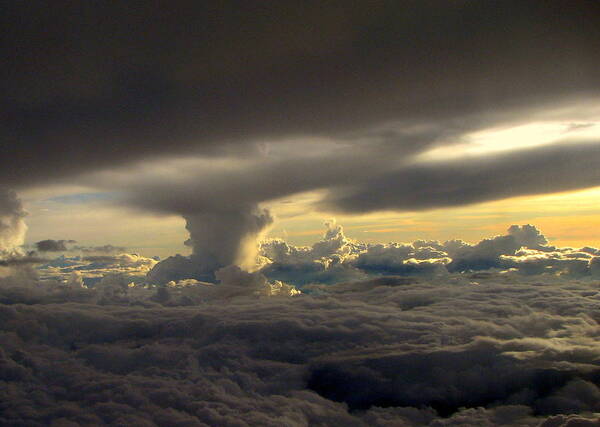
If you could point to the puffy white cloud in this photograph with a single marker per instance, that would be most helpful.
(326, 261)
(93, 267)
(397, 258)
(527, 235)
(569, 262)
(335, 258)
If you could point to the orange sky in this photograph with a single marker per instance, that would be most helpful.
(566, 219)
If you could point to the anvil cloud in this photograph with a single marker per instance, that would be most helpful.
(216, 113)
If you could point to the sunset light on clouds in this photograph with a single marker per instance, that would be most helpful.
(300, 213)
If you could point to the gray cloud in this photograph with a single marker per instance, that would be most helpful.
(523, 250)
(325, 262)
(226, 237)
(377, 352)
(50, 245)
(453, 183)
(13, 261)
(213, 77)
(104, 249)
(501, 332)
(366, 80)
(219, 238)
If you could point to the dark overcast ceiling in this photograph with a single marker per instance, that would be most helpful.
(89, 85)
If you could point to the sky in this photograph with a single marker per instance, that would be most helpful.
(179, 169)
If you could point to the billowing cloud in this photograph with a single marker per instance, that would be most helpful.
(219, 238)
(211, 110)
(91, 269)
(347, 102)
(335, 258)
(222, 238)
(12, 222)
(324, 262)
(522, 251)
(507, 351)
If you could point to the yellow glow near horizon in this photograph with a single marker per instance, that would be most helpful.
(523, 136)
(567, 219)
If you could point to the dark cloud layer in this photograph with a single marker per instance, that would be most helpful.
(440, 184)
(80, 78)
(392, 352)
(104, 249)
(22, 260)
(51, 245)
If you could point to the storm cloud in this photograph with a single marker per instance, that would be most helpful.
(216, 111)
(225, 106)
(439, 184)
(217, 77)
(51, 245)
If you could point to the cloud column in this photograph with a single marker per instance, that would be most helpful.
(12, 222)
(226, 237)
